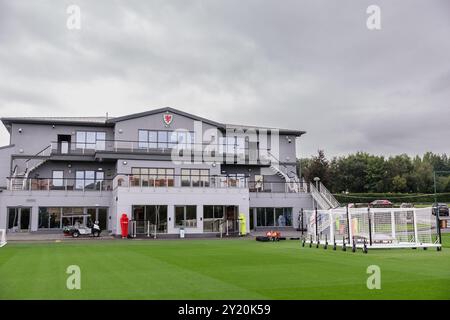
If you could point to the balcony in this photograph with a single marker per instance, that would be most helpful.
(172, 180)
(151, 181)
(115, 148)
(65, 184)
(124, 180)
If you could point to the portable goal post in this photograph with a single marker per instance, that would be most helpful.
(2, 237)
(374, 228)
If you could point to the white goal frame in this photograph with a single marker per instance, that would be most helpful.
(373, 228)
(2, 237)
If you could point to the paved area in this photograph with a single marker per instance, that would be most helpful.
(38, 236)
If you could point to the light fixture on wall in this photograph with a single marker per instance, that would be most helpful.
(120, 130)
(214, 164)
(125, 163)
(20, 130)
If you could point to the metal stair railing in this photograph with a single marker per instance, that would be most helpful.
(318, 197)
(328, 196)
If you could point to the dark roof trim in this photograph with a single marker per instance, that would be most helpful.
(166, 109)
(8, 121)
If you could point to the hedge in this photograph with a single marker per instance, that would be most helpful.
(393, 197)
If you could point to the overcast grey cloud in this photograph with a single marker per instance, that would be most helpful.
(309, 65)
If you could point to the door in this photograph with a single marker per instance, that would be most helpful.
(232, 222)
(19, 219)
(64, 143)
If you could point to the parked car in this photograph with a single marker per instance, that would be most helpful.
(406, 205)
(381, 204)
(442, 208)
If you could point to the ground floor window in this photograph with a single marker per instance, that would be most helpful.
(60, 217)
(100, 215)
(213, 216)
(186, 216)
(274, 217)
(150, 219)
(19, 219)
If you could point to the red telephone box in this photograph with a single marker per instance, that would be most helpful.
(124, 225)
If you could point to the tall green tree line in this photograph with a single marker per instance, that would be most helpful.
(363, 172)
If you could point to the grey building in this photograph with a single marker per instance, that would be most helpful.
(165, 169)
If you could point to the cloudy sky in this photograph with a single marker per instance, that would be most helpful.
(309, 65)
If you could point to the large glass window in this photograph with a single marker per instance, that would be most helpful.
(274, 217)
(158, 177)
(186, 216)
(164, 139)
(212, 217)
(49, 218)
(89, 179)
(90, 140)
(150, 219)
(195, 177)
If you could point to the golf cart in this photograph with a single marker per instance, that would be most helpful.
(82, 226)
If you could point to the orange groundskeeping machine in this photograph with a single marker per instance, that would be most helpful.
(273, 235)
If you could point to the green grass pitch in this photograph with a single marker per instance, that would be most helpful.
(218, 269)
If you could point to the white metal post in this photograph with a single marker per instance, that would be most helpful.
(332, 225)
(350, 223)
(393, 225)
(416, 234)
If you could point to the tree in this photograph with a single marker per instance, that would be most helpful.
(317, 167)
(399, 184)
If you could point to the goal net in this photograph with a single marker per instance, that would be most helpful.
(2, 237)
(374, 227)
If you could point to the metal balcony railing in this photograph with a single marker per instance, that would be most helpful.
(127, 146)
(62, 184)
(149, 181)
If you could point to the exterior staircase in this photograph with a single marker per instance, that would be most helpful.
(324, 198)
(23, 169)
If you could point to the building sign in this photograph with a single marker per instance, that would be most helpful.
(167, 118)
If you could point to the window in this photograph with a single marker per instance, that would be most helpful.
(49, 218)
(164, 139)
(90, 140)
(186, 216)
(57, 178)
(89, 179)
(273, 217)
(236, 180)
(212, 217)
(195, 177)
(149, 177)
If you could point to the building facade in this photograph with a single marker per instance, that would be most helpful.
(166, 169)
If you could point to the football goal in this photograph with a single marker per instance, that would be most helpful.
(2, 237)
(373, 228)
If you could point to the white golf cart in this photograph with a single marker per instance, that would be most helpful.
(82, 225)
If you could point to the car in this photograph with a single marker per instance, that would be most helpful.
(381, 204)
(406, 205)
(442, 208)
(81, 230)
